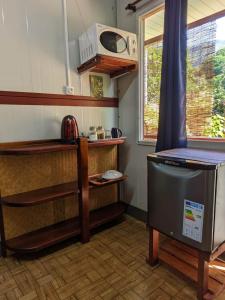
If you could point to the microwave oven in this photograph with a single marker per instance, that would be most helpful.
(105, 40)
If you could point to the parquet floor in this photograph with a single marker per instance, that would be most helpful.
(111, 266)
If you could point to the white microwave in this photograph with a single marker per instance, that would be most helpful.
(105, 40)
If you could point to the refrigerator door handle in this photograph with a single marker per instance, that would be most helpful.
(176, 171)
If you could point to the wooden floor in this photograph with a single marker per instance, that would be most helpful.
(111, 266)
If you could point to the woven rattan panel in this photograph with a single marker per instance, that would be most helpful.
(24, 173)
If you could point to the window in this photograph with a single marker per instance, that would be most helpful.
(205, 70)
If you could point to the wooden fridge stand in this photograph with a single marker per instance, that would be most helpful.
(202, 268)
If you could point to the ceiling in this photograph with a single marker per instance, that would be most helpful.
(197, 9)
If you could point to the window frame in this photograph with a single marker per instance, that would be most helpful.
(150, 10)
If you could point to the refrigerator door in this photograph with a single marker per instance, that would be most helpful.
(181, 203)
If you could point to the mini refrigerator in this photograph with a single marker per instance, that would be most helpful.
(186, 196)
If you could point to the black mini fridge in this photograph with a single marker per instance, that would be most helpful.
(186, 196)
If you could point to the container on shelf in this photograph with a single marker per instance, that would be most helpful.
(100, 133)
(108, 134)
(93, 133)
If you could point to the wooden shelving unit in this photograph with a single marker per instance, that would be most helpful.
(83, 224)
(44, 237)
(41, 195)
(54, 234)
(108, 142)
(25, 98)
(31, 149)
(97, 181)
(106, 214)
(113, 66)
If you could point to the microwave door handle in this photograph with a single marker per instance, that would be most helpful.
(128, 45)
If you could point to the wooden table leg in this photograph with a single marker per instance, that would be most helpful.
(203, 275)
(153, 258)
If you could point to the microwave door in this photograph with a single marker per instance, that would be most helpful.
(113, 42)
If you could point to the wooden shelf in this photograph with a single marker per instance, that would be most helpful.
(37, 148)
(44, 237)
(48, 146)
(106, 214)
(97, 181)
(54, 234)
(184, 259)
(108, 142)
(113, 66)
(51, 235)
(39, 196)
(24, 98)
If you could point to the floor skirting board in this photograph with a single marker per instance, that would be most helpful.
(137, 213)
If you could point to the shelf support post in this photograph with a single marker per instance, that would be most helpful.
(83, 186)
(2, 230)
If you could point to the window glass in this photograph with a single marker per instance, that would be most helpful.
(205, 70)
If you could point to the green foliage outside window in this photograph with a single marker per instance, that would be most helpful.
(205, 94)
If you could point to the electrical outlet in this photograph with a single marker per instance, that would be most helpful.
(69, 90)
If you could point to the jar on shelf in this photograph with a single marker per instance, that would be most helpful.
(108, 134)
(100, 133)
(92, 133)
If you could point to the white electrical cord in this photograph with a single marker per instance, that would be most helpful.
(66, 36)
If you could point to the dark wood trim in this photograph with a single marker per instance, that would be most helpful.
(47, 146)
(26, 143)
(24, 98)
(137, 213)
(40, 239)
(2, 231)
(106, 214)
(36, 148)
(110, 142)
(81, 225)
(39, 196)
(123, 71)
(96, 180)
(83, 186)
(45, 237)
(114, 66)
(51, 145)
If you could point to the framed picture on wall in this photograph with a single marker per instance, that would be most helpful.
(96, 86)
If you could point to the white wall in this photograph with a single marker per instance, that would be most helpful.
(134, 155)
(32, 59)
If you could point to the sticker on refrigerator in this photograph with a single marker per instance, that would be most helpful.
(193, 220)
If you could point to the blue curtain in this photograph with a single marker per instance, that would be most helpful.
(172, 112)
